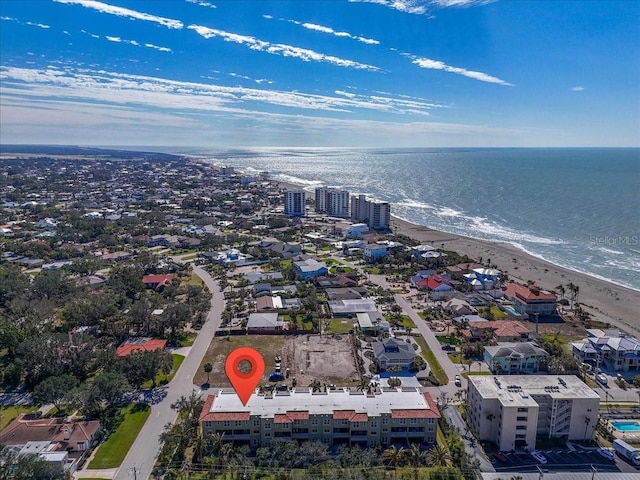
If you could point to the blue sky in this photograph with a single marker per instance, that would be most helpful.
(361, 73)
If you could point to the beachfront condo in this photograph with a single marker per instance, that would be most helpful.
(294, 203)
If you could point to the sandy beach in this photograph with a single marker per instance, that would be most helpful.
(605, 301)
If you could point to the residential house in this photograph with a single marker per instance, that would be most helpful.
(348, 308)
(231, 256)
(438, 286)
(264, 323)
(135, 345)
(374, 251)
(515, 358)
(457, 272)
(259, 276)
(609, 349)
(357, 230)
(459, 307)
(483, 278)
(530, 300)
(342, 416)
(268, 302)
(342, 280)
(421, 275)
(392, 352)
(497, 330)
(346, 293)
(372, 323)
(157, 282)
(310, 268)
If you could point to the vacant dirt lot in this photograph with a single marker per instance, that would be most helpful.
(326, 358)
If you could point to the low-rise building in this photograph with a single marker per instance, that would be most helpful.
(609, 349)
(512, 410)
(310, 268)
(341, 416)
(531, 300)
(497, 330)
(264, 323)
(391, 352)
(515, 358)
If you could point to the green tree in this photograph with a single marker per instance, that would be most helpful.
(54, 389)
(438, 456)
(208, 368)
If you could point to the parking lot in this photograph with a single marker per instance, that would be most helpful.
(557, 460)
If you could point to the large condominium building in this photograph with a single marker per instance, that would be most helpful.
(341, 416)
(375, 214)
(512, 410)
(332, 202)
(294, 203)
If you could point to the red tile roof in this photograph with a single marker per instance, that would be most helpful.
(207, 407)
(67, 434)
(226, 416)
(434, 281)
(343, 414)
(282, 418)
(139, 345)
(414, 413)
(165, 279)
(500, 328)
(432, 405)
(359, 417)
(528, 293)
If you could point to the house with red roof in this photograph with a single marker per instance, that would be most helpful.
(133, 345)
(157, 282)
(497, 330)
(531, 300)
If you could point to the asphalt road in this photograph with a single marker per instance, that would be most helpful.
(143, 452)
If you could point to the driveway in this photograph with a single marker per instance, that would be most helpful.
(141, 458)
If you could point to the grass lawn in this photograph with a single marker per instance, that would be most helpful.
(188, 340)
(299, 319)
(448, 339)
(429, 356)
(497, 313)
(160, 378)
(407, 322)
(8, 414)
(341, 325)
(194, 279)
(268, 345)
(112, 452)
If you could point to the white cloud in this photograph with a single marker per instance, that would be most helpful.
(420, 7)
(113, 39)
(345, 94)
(112, 88)
(279, 49)
(41, 25)
(156, 47)
(578, 89)
(11, 19)
(124, 12)
(331, 31)
(268, 17)
(202, 4)
(439, 65)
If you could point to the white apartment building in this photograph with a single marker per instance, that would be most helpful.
(375, 214)
(294, 203)
(332, 202)
(512, 410)
(341, 416)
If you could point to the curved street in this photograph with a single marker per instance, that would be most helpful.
(139, 462)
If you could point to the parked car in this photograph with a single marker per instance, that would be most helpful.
(601, 378)
(608, 454)
(501, 457)
(538, 456)
(458, 381)
(448, 347)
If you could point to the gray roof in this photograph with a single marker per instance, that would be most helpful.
(405, 350)
(352, 306)
(264, 320)
(516, 349)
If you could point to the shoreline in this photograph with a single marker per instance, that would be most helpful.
(604, 300)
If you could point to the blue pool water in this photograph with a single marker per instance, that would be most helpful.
(512, 311)
(626, 426)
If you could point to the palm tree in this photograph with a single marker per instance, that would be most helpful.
(562, 291)
(316, 386)
(438, 456)
(392, 456)
(208, 368)
(364, 384)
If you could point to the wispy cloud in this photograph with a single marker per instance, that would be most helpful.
(578, 89)
(420, 7)
(202, 4)
(268, 17)
(150, 92)
(331, 31)
(40, 25)
(124, 12)
(439, 65)
(280, 49)
(156, 47)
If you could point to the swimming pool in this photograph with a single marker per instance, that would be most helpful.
(626, 426)
(512, 311)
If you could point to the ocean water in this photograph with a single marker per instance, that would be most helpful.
(575, 207)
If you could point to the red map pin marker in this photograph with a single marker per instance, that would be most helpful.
(244, 383)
